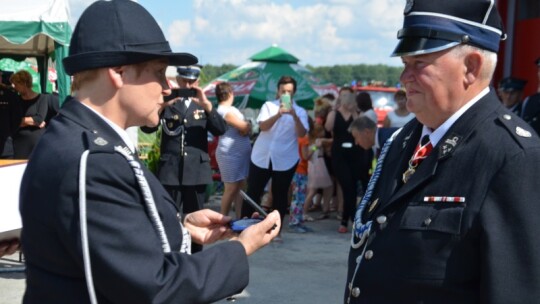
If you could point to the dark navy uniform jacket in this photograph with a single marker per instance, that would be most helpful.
(184, 158)
(531, 112)
(482, 249)
(128, 263)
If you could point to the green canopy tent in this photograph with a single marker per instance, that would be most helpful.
(256, 82)
(39, 29)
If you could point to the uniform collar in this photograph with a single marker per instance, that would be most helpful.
(121, 132)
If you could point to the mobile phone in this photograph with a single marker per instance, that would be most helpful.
(241, 224)
(286, 101)
(175, 93)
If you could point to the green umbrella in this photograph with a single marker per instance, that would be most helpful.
(256, 82)
(8, 64)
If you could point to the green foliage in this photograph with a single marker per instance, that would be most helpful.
(337, 74)
(149, 149)
(211, 72)
(344, 74)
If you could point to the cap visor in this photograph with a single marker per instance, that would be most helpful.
(410, 46)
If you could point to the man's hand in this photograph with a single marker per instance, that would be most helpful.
(207, 226)
(257, 236)
(201, 99)
(9, 247)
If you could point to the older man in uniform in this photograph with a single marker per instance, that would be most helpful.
(511, 92)
(451, 213)
(184, 165)
(531, 105)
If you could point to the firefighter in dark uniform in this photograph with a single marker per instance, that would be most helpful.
(184, 165)
(452, 210)
(531, 106)
(511, 93)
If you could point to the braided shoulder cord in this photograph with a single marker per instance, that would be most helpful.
(361, 230)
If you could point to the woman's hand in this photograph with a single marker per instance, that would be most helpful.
(259, 235)
(207, 226)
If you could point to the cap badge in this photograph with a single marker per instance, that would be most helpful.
(522, 132)
(408, 6)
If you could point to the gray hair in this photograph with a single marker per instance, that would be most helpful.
(362, 123)
(490, 59)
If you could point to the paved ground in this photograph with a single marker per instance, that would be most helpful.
(305, 268)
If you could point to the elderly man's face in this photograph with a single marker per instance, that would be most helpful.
(434, 84)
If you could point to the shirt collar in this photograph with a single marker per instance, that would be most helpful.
(436, 135)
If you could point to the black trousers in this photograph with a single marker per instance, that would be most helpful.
(257, 180)
(189, 199)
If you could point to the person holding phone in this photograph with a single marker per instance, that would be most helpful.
(184, 164)
(275, 152)
(98, 225)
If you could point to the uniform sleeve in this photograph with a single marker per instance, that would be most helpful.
(215, 123)
(510, 246)
(128, 263)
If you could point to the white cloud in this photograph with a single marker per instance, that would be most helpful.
(339, 31)
(316, 31)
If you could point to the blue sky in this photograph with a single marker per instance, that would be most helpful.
(320, 33)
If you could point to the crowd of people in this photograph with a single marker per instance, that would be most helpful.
(447, 215)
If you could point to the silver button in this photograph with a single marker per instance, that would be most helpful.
(185, 120)
(355, 292)
(507, 117)
(178, 216)
(381, 219)
(369, 254)
(185, 154)
(427, 221)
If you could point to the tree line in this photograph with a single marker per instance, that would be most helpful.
(341, 75)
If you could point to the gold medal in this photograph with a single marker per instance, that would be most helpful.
(196, 115)
(408, 174)
(170, 125)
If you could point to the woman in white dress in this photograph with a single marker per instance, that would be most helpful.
(400, 116)
(233, 151)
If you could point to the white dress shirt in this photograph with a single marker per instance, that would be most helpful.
(279, 144)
